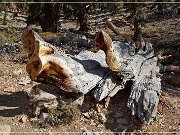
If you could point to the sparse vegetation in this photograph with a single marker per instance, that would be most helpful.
(65, 115)
(14, 37)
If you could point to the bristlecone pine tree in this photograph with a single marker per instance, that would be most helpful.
(46, 14)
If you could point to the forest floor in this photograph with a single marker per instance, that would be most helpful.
(16, 111)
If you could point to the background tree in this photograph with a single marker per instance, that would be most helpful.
(138, 15)
(82, 11)
(79, 11)
(46, 14)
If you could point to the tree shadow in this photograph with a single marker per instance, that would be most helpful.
(119, 118)
(14, 104)
(157, 18)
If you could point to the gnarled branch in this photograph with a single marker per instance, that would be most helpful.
(117, 31)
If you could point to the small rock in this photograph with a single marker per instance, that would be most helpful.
(86, 114)
(83, 37)
(36, 130)
(87, 132)
(43, 117)
(102, 118)
(24, 119)
(36, 94)
(24, 80)
(17, 72)
(80, 100)
(5, 129)
(122, 128)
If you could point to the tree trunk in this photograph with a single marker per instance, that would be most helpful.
(49, 21)
(83, 17)
(46, 14)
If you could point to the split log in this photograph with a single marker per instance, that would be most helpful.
(106, 72)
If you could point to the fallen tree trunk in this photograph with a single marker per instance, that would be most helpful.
(106, 72)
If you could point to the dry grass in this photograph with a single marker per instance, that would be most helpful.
(65, 115)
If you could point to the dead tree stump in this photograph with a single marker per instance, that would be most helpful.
(106, 72)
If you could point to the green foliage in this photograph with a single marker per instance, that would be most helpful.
(13, 36)
(9, 36)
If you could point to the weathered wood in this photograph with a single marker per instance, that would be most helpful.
(41, 100)
(72, 73)
(106, 71)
